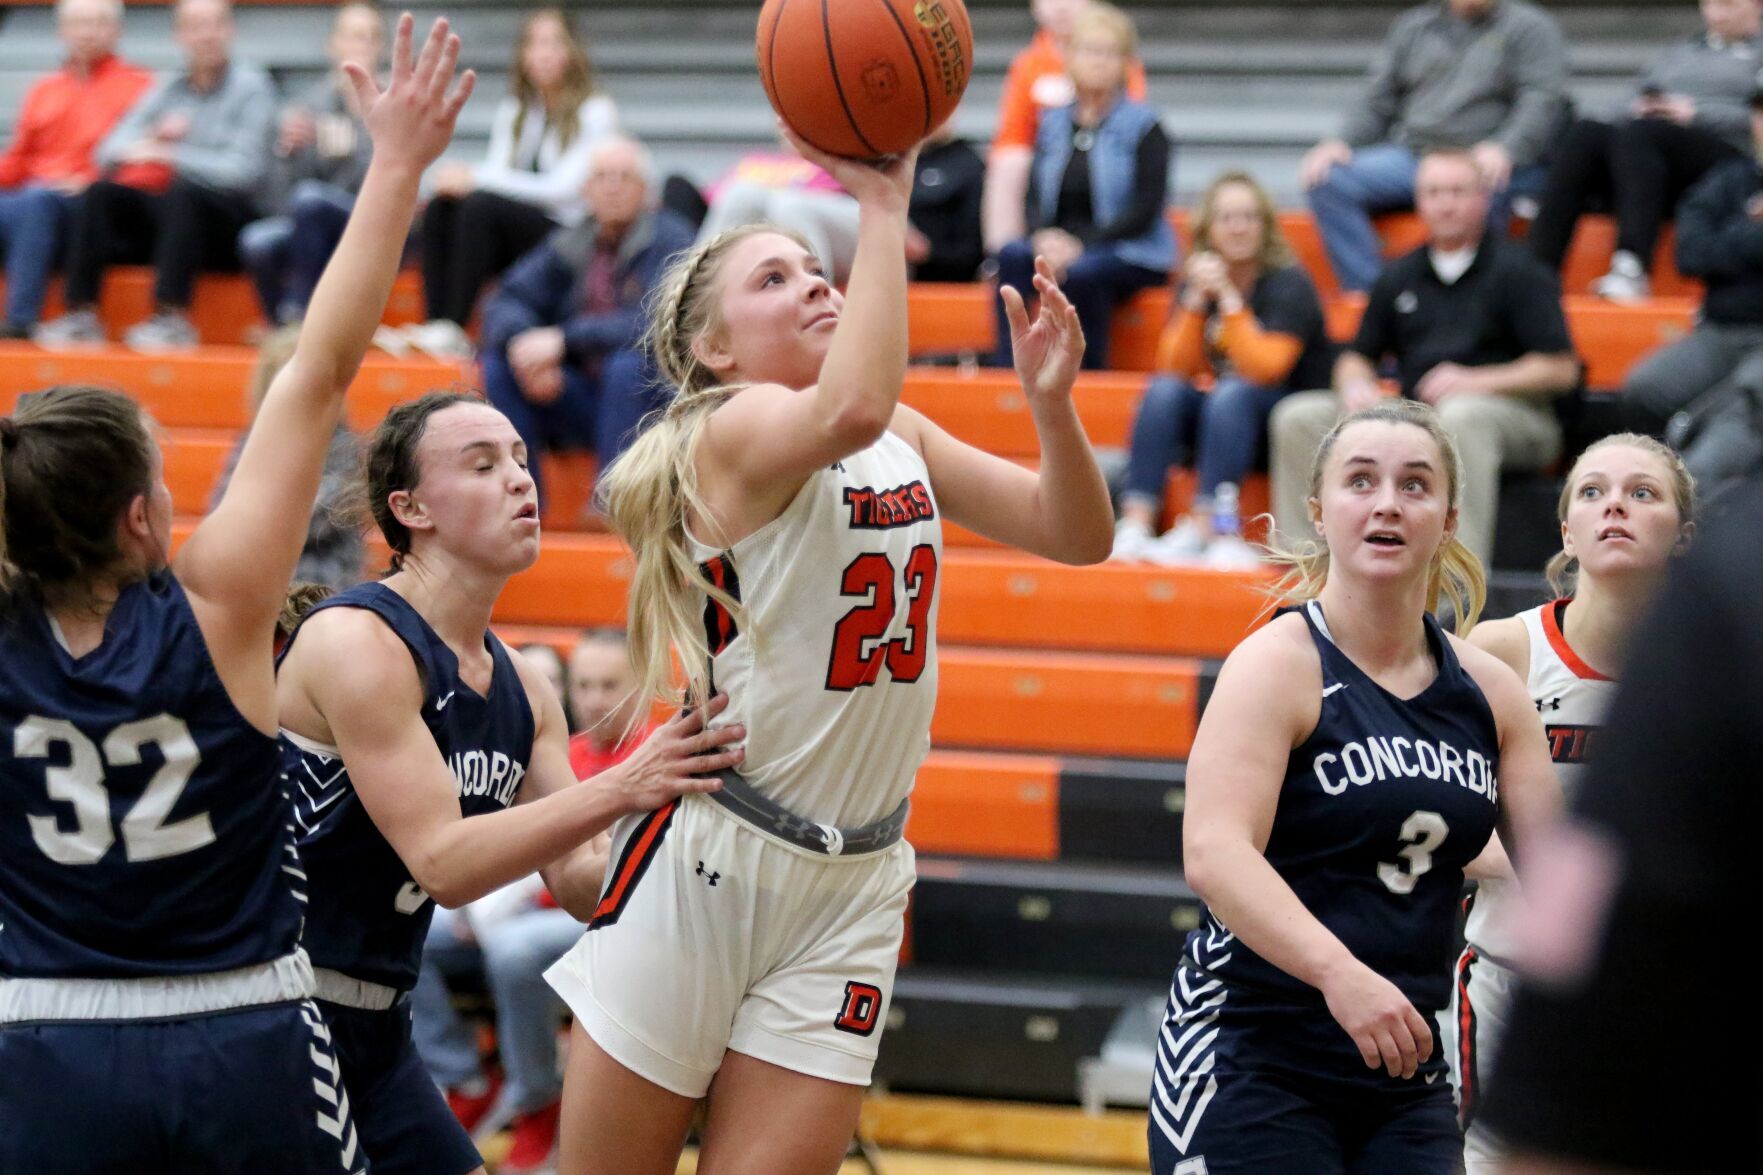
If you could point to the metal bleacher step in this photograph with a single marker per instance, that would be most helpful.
(998, 1033)
(1120, 1073)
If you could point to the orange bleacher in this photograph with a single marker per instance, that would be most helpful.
(1039, 661)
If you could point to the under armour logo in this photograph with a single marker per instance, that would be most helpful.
(1548, 704)
(706, 873)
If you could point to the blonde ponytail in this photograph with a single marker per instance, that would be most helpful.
(1456, 575)
(652, 489)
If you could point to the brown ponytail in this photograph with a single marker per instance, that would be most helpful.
(72, 458)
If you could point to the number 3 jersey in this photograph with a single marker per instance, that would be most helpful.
(1383, 805)
(143, 826)
(832, 662)
(367, 918)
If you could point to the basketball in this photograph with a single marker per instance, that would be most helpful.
(864, 78)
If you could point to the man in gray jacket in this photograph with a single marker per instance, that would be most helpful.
(1486, 75)
(321, 156)
(181, 174)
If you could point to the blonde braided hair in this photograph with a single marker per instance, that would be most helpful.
(650, 490)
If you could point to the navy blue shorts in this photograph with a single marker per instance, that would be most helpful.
(1244, 1087)
(254, 1090)
(406, 1127)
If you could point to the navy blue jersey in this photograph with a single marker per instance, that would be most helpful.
(1381, 808)
(367, 917)
(144, 829)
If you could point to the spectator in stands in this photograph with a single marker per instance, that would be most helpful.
(332, 557)
(602, 696)
(781, 187)
(182, 173)
(50, 159)
(483, 216)
(1689, 113)
(1098, 181)
(514, 935)
(1475, 327)
(943, 237)
(321, 156)
(1037, 82)
(1486, 75)
(1712, 374)
(562, 356)
(1248, 320)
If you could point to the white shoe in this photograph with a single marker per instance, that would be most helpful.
(73, 330)
(1132, 542)
(1626, 281)
(1231, 553)
(441, 339)
(1181, 545)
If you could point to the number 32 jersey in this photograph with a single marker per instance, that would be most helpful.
(832, 663)
(143, 825)
(1382, 807)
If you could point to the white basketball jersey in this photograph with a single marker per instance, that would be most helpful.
(833, 665)
(1571, 698)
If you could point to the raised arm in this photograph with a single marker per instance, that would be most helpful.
(770, 439)
(238, 563)
(1062, 512)
(359, 677)
(1267, 701)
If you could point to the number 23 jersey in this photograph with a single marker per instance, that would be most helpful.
(832, 666)
(1382, 807)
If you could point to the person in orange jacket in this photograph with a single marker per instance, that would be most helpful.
(50, 159)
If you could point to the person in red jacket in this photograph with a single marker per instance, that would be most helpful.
(49, 161)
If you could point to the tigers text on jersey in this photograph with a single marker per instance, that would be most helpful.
(833, 667)
(367, 917)
(1382, 806)
(143, 824)
(1571, 698)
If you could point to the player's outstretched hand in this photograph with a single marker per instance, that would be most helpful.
(886, 181)
(1388, 1030)
(1050, 349)
(411, 120)
(682, 756)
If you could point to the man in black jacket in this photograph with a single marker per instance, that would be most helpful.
(560, 336)
(1713, 372)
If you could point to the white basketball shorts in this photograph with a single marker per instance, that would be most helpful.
(711, 935)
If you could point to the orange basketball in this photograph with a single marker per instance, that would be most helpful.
(864, 78)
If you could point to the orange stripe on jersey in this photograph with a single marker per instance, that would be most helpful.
(719, 623)
(1468, 1080)
(1558, 641)
(638, 852)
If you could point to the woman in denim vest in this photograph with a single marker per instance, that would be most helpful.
(1096, 189)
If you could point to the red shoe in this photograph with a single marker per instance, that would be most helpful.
(535, 1140)
(470, 1108)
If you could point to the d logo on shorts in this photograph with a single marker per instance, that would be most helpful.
(863, 1003)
